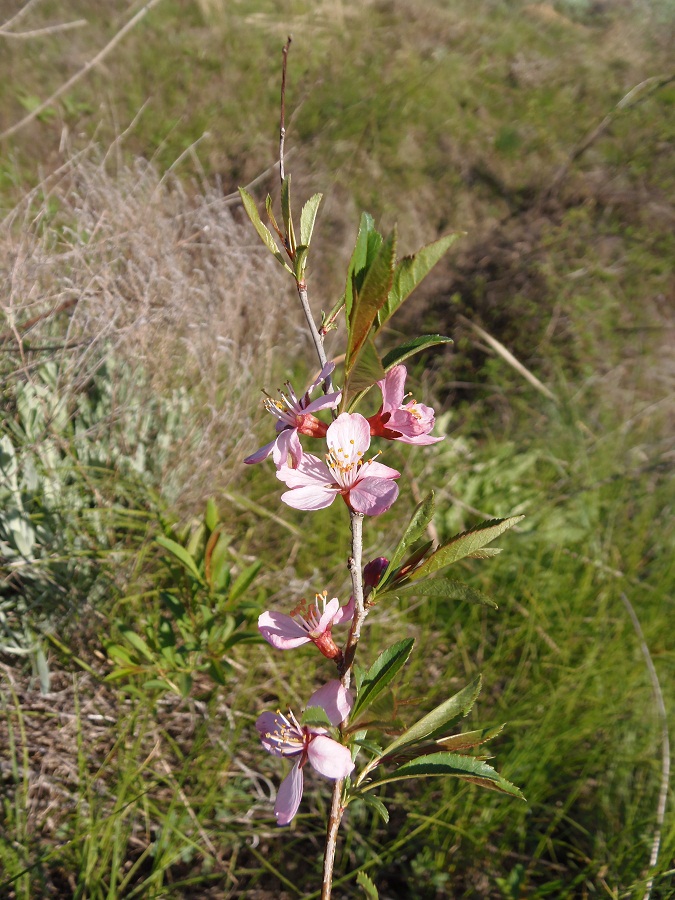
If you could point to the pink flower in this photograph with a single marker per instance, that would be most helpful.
(366, 486)
(295, 416)
(409, 423)
(285, 736)
(307, 623)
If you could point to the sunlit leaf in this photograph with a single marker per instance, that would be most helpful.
(381, 673)
(262, 229)
(442, 589)
(362, 879)
(423, 514)
(370, 298)
(409, 348)
(181, 554)
(464, 544)
(308, 217)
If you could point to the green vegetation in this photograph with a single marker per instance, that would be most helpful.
(139, 320)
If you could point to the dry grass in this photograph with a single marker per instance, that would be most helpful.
(167, 282)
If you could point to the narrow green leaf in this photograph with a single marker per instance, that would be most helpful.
(409, 273)
(465, 544)
(138, 643)
(308, 217)
(378, 806)
(262, 229)
(468, 768)
(439, 718)
(317, 716)
(270, 215)
(300, 262)
(409, 348)
(367, 370)
(364, 881)
(181, 554)
(381, 673)
(243, 581)
(424, 513)
(370, 298)
(467, 740)
(286, 211)
(211, 517)
(119, 654)
(440, 588)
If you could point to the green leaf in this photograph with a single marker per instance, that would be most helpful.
(381, 673)
(378, 806)
(262, 229)
(308, 217)
(317, 716)
(211, 517)
(181, 554)
(370, 298)
(438, 719)
(468, 768)
(243, 581)
(362, 879)
(424, 513)
(409, 273)
(467, 740)
(300, 262)
(409, 348)
(465, 544)
(442, 589)
(367, 370)
(138, 643)
(270, 215)
(286, 212)
(119, 654)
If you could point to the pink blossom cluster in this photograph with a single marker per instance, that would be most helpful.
(367, 487)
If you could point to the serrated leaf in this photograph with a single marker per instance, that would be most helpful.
(381, 673)
(243, 581)
(410, 271)
(464, 544)
(409, 348)
(467, 768)
(442, 589)
(270, 216)
(181, 554)
(467, 740)
(370, 298)
(367, 370)
(378, 806)
(439, 718)
(308, 218)
(423, 514)
(286, 212)
(262, 229)
(364, 881)
(317, 716)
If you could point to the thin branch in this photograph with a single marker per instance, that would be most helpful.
(41, 32)
(19, 14)
(631, 99)
(88, 66)
(282, 124)
(665, 742)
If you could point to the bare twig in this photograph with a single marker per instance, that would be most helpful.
(42, 32)
(499, 348)
(665, 741)
(632, 98)
(282, 124)
(88, 66)
(19, 14)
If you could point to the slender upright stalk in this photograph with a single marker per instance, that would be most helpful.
(282, 124)
(336, 810)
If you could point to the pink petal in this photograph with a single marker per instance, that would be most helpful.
(328, 401)
(373, 496)
(334, 699)
(309, 470)
(321, 377)
(287, 445)
(375, 469)
(393, 387)
(261, 454)
(345, 613)
(289, 795)
(310, 497)
(329, 758)
(328, 617)
(349, 437)
(281, 631)
(422, 440)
